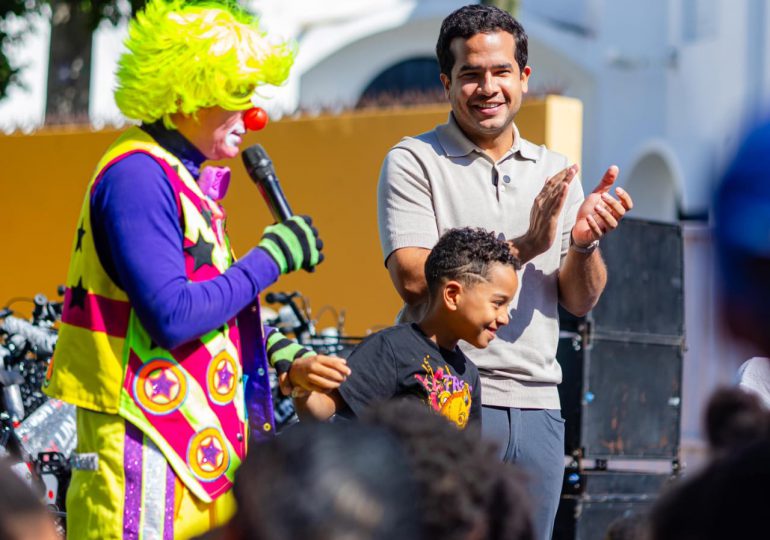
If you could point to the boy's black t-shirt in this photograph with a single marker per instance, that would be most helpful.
(402, 362)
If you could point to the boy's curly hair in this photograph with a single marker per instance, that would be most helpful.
(466, 255)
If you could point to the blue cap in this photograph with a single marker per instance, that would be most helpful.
(742, 202)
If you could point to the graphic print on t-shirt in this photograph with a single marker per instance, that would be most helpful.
(447, 394)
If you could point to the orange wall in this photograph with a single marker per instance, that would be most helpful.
(328, 168)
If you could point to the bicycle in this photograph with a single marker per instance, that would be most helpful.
(37, 434)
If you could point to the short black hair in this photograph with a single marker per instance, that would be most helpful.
(326, 482)
(466, 255)
(478, 19)
(464, 490)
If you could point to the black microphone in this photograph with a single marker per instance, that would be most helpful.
(260, 168)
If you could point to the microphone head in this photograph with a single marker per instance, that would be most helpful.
(258, 164)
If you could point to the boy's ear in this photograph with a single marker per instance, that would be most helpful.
(452, 292)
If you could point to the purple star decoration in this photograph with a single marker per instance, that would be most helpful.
(210, 453)
(162, 385)
(225, 376)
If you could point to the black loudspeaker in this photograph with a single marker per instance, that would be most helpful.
(592, 500)
(622, 363)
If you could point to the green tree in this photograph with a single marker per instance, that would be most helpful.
(69, 61)
(8, 9)
(511, 6)
(69, 67)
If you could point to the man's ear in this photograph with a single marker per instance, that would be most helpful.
(525, 73)
(445, 82)
(452, 292)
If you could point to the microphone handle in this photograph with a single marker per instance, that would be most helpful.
(276, 201)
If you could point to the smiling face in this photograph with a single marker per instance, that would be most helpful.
(216, 132)
(486, 87)
(481, 308)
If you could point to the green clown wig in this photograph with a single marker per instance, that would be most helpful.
(185, 56)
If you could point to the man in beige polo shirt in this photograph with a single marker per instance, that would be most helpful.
(476, 170)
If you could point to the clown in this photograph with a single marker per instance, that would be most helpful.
(161, 345)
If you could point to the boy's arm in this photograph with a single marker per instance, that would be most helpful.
(298, 367)
(318, 405)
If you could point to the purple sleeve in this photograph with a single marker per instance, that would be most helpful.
(139, 242)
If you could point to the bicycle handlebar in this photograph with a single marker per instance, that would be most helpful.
(41, 339)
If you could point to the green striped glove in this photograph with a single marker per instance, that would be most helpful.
(281, 351)
(293, 244)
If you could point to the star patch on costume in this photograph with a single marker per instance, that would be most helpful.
(207, 454)
(222, 377)
(207, 217)
(78, 295)
(160, 387)
(81, 234)
(201, 252)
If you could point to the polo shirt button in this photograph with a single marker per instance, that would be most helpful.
(260, 372)
(267, 426)
(507, 179)
(239, 436)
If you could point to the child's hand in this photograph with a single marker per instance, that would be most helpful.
(317, 373)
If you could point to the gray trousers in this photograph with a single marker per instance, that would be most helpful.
(534, 440)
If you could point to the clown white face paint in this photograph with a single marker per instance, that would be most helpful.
(216, 132)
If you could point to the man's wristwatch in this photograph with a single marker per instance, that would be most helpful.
(590, 248)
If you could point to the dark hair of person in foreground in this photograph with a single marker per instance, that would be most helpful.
(734, 419)
(22, 514)
(464, 491)
(728, 499)
(342, 481)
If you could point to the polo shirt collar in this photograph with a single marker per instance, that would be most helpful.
(456, 144)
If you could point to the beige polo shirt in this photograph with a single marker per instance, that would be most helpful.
(441, 180)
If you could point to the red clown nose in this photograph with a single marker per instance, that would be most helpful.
(255, 119)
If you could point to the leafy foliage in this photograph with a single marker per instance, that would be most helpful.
(97, 10)
(511, 6)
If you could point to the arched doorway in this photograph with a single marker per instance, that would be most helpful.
(418, 76)
(653, 188)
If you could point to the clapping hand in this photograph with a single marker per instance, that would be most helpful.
(601, 213)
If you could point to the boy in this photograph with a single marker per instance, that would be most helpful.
(471, 279)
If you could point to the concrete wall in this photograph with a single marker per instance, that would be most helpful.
(328, 168)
